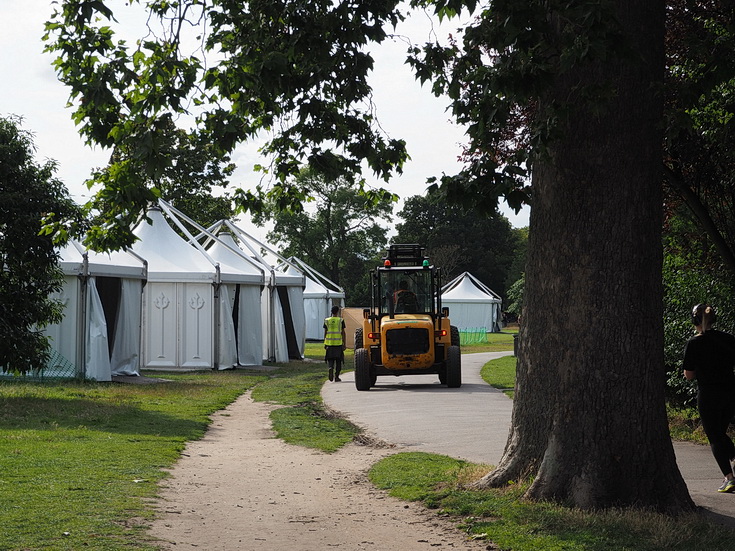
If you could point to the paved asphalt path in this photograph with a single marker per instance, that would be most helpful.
(472, 423)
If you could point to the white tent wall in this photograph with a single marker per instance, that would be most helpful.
(83, 337)
(282, 310)
(188, 321)
(64, 335)
(320, 294)
(275, 344)
(466, 315)
(316, 310)
(178, 325)
(243, 297)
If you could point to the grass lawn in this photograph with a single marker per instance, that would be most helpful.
(503, 517)
(79, 461)
(496, 342)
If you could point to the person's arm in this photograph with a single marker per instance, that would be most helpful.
(344, 336)
(690, 353)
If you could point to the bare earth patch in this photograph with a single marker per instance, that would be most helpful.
(240, 488)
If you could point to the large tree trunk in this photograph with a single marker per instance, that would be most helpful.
(589, 420)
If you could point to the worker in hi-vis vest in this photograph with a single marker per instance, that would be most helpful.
(335, 343)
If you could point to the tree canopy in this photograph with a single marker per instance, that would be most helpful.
(29, 194)
(338, 233)
(299, 78)
(459, 240)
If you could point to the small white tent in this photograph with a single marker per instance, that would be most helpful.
(187, 321)
(472, 305)
(320, 294)
(102, 298)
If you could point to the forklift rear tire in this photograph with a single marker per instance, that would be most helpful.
(454, 335)
(454, 367)
(362, 369)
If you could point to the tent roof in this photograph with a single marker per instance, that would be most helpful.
(467, 288)
(169, 256)
(288, 274)
(284, 272)
(317, 285)
(315, 289)
(172, 258)
(225, 251)
(115, 264)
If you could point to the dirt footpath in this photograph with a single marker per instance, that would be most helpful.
(240, 488)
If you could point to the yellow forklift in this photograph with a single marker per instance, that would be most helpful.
(406, 331)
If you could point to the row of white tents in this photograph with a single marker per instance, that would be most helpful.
(218, 299)
(215, 299)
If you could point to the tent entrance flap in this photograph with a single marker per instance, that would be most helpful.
(291, 341)
(109, 290)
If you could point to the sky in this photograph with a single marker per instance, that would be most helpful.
(29, 88)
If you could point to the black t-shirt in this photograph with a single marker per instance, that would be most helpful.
(712, 356)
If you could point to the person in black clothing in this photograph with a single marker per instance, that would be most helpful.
(405, 299)
(709, 357)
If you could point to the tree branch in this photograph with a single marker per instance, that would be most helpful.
(691, 199)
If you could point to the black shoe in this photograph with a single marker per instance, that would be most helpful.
(331, 374)
(337, 380)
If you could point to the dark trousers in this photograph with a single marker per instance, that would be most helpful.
(335, 355)
(716, 409)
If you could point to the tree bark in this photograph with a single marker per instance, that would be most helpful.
(589, 422)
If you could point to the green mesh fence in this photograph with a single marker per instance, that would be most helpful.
(472, 335)
(58, 367)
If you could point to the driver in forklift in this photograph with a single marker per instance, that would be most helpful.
(405, 299)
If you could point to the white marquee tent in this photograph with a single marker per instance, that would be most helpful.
(188, 317)
(472, 305)
(282, 299)
(320, 294)
(102, 298)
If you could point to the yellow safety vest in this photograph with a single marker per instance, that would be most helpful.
(334, 331)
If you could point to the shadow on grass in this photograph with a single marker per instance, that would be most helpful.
(39, 413)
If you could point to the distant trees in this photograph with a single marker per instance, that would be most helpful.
(459, 240)
(196, 181)
(338, 232)
(700, 118)
(29, 194)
